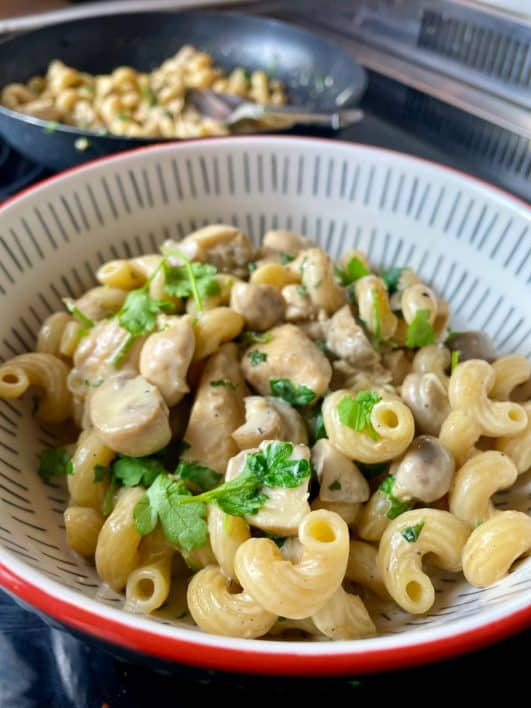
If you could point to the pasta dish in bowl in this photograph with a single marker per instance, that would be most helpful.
(267, 429)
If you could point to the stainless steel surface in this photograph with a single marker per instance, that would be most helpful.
(230, 110)
(469, 56)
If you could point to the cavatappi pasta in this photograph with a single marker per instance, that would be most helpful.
(138, 104)
(296, 433)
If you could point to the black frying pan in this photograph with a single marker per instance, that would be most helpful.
(315, 71)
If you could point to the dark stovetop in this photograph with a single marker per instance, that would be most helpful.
(40, 666)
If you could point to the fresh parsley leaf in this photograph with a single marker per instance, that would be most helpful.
(200, 477)
(242, 496)
(256, 357)
(335, 486)
(183, 525)
(276, 468)
(197, 279)
(93, 384)
(411, 533)
(54, 463)
(356, 412)
(478, 523)
(132, 471)
(391, 277)
(397, 506)
(371, 471)
(251, 266)
(223, 382)
(178, 282)
(302, 290)
(420, 333)
(138, 314)
(321, 344)
(285, 258)
(250, 337)
(76, 312)
(455, 360)
(295, 395)
(355, 269)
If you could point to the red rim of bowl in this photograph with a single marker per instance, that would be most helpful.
(252, 660)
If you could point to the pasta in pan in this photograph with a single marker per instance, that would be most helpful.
(295, 433)
(136, 104)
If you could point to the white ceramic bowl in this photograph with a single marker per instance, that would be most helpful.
(471, 241)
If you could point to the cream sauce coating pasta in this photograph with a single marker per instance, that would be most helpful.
(261, 428)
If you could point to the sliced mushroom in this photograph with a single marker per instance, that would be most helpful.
(472, 345)
(224, 246)
(348, 341)
(262, 306)
(283, 241)
(218, 410)
(269, 419)
(339, 478)
(290, 354)
(427, 398)
(130, 415)
(166, 356)
(286, 507)
(425, 472)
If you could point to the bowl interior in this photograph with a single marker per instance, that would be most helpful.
(471, 242)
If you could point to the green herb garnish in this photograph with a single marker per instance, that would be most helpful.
(183, 525)
(391, 277)
(54, 463)
(354, 270)
(76, 312)
(335, 486)
(397, 506)
(356, 412)
(250, 337)
(148, 95)
(256, 357)
(197, 279)
(201, 478)
(290, 392)
(302, 290)
(285, 258)
(51, 126)
(251, 266)
(420, 333)
(223, 382)
(411, 533)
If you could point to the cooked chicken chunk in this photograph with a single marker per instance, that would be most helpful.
(94, 354)
(339, 478)
(130, 415)
(291, 355)
(218, 410)
(348, 341)
(299, 305)
(262, 305)
(166, 356)
(318, 279)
